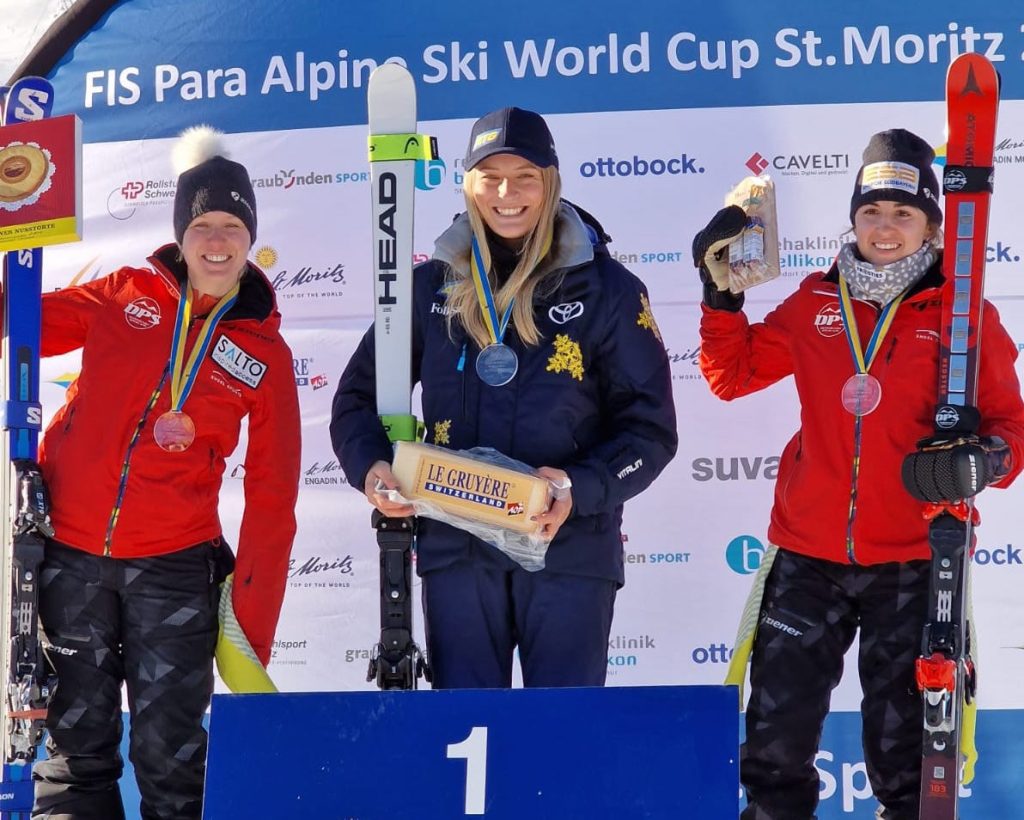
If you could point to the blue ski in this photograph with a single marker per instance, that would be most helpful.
(25, 527)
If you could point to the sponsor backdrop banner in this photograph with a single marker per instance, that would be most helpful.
(656, 115)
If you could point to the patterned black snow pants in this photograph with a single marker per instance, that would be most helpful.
(151, 623)
(810, 613)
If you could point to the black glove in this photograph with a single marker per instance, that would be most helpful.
(711, 257)
(954, 470)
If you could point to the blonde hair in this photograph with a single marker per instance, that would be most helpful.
(522, 283)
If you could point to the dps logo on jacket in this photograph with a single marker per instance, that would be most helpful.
(829, 320)
(142, 313)
(238, 363)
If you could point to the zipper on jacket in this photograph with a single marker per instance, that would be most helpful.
(126, 465)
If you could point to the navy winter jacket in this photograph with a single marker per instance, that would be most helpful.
(594, 398)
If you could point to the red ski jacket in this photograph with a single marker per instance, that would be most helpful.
(114, 490)
(804, 337)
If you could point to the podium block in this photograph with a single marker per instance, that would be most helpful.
(616, 752)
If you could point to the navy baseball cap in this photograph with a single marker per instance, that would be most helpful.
(512, 131)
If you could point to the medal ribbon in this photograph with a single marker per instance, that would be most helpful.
(862, 359)
(183, 377)
(495, 329)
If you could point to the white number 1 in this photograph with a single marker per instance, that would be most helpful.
(474, 750)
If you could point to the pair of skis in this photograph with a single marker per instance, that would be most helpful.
(396, 661)
(945, 672)
(29, 681)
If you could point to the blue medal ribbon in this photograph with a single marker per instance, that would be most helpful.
(495, 328)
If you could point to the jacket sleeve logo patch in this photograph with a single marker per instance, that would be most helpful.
(238, 363)
(567, 358)
(646, 317)
(566, 312)
(142, 313)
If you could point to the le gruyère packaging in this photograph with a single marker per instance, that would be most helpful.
(469, 487)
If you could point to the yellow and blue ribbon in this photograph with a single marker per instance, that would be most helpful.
(495, 328)
(863, 358)
(183, 376)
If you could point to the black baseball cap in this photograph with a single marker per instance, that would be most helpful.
(512, 131)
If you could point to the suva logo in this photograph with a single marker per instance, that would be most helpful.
(744, 554)
(429, 174)
(238, 363)
(142, 313)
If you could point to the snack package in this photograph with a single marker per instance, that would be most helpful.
(481, 491)
(754, 256)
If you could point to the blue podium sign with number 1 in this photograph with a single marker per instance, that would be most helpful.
(617, 752)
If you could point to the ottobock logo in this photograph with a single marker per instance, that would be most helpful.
(682, 164)
(829, 320)
(142, 313)
(238, 363)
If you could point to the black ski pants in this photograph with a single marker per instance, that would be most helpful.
(810, 614)
(152, 624)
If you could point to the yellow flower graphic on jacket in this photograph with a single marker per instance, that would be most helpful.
(567, 358)
(646, 317)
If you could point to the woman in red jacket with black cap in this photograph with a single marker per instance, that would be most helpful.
(849, 543)
(174, 357)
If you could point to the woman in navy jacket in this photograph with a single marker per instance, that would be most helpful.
(578, 386)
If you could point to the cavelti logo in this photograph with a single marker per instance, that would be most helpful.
(743, 554)
(815, 164)
(757, 164)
